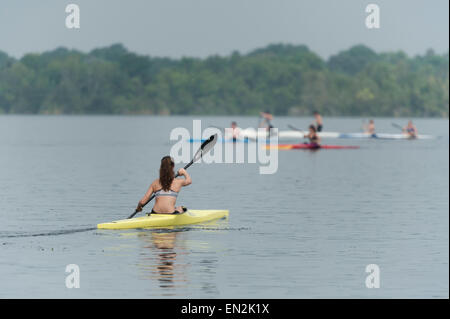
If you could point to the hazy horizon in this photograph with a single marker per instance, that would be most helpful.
(178, 29)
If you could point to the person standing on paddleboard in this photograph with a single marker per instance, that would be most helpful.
(370, 128)
(411, 130)
(319, 121)
(314, 139)
(166, 189)
(266, 122)
(235, 132)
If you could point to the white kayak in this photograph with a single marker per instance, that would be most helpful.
(253, 134)
(384, 136)
(286, 135)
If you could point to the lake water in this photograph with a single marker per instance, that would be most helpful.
(307, 231)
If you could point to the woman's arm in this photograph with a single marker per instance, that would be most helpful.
(187, 178)
(145, 199)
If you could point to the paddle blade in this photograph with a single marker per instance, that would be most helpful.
(205, 147)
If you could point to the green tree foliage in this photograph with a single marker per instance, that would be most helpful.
(353, 60)
(283, 79)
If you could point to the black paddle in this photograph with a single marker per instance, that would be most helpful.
(397, 126)
(295, 128)
(204, 148)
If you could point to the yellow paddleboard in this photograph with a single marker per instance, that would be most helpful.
(192, 216)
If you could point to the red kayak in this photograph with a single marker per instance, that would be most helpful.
(310, 147)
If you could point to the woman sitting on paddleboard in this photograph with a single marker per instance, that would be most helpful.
(314, 139)
(166, 189)
(411, 130)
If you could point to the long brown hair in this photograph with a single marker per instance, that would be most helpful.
(166, 174)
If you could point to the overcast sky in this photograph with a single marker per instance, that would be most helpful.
(200, 28)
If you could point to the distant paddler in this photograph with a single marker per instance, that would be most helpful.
(314, 139)
(370, 128)
(235, 132)
(411, 130)
(318, 121)
(266, 121)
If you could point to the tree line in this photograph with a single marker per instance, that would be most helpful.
(282, 79)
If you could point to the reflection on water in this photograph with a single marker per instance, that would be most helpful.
(162, 259)
(168, 255)
(165, 243)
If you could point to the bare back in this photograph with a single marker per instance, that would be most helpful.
(165, 200)
(166, 204)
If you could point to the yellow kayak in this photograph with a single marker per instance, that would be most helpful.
(192, 216)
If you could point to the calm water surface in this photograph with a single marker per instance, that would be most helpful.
(307, 231)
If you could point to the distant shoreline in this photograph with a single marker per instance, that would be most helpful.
(281, 79)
